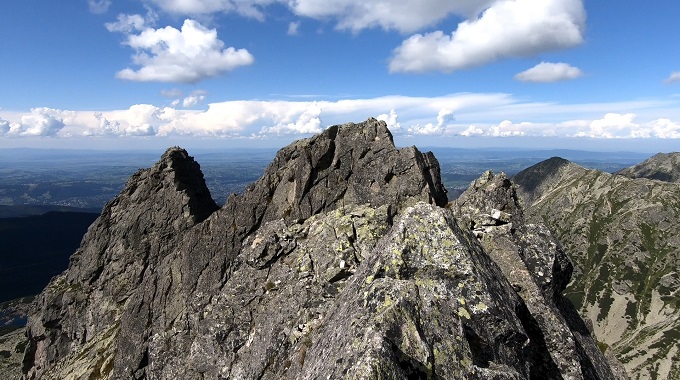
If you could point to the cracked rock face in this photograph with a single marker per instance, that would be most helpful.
(339, 262)
(539, 271)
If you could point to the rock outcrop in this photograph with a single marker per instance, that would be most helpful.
(622, 235)
(539, 271)
(339, 262)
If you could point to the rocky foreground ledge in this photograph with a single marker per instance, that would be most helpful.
(341, 261)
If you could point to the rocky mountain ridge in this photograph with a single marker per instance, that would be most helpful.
(661, 166)
(622, 235)
(339, 262)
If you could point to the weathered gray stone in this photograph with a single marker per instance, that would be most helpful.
(538, 269)
(136, 230)
(339, 262)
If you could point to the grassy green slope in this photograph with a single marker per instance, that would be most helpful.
(622, 235)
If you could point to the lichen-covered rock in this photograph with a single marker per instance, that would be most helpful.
(339, 262)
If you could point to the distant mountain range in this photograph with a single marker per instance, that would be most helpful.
(623, 237)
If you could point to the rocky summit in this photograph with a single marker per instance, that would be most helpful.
(342, 261)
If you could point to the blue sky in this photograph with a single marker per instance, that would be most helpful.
(219, 73)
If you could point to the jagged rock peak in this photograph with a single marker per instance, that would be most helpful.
(134, 232)
(337, 263)
(490, 200)
(346, 164)
(179, 168)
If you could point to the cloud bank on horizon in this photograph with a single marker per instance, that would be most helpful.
(450, 115)
(439, 36)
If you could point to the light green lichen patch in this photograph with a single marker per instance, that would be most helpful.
(463, 313)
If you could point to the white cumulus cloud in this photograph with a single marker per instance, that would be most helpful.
(402, 15)
(307, 123)
(355, 15)
(664, 129)
(188, 55)
(616, 125)
(127, 23)
(193, 100)
(546, 72)
(418, 118)
(392, 120)
(445, 115)
(612, 125)
(506, 128)
(99, 6)
(4, 126)
(674, 77)
(293, 28)
(40, 122)
(105, 127)
(171, 93)
(472, 131)
(509, 28)
(248, 8)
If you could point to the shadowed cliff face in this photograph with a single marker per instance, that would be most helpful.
(339, 262)
(622, 235)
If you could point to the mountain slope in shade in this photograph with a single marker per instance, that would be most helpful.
(35, 248)
(662, 167)
(341, 261)
(622, 236)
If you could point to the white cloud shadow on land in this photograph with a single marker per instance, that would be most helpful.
(548, 72)
(188, 55)
(509, 28)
